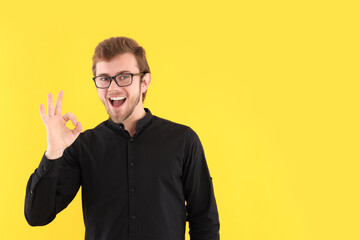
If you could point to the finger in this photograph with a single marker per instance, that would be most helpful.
(69, 116)
(77, 130)
(57, 109)
(43, 116)
(50, 105)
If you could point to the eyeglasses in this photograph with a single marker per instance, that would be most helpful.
(122, 80)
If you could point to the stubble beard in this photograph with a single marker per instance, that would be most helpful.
(132, 105)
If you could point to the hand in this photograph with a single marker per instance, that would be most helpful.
(59, 136)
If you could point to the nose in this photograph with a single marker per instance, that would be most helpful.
(113, 86)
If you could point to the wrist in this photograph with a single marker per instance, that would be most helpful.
(53, 154)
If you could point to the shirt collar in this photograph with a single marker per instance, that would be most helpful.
(140, 125)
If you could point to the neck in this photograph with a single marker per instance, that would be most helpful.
(130, 122)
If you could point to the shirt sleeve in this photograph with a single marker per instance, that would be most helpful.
(51, 187)
(201, 206)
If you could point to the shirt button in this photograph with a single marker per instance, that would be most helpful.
(133, 217)
(31, 191)
(132, 164)
(131, 139)
(44, 168)
(133, 189)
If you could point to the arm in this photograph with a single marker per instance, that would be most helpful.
(51, 188)
(57, 179)
(199, 193)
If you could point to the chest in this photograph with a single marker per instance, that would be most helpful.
(121, 162)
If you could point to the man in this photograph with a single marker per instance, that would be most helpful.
(142, 176)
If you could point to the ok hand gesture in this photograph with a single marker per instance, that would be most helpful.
(59, 136)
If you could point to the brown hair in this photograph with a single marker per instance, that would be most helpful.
(114, 46)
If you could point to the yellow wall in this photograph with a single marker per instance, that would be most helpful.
(271, 88)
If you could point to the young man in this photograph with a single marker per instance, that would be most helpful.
(142, 176)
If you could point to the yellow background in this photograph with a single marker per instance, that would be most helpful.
(271, 88)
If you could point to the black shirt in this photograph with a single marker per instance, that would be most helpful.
(143, 187)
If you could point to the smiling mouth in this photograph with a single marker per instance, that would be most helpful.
(117, 101)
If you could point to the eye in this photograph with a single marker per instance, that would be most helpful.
(103, 78)
(123, 77)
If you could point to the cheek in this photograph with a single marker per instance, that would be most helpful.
(102, 94)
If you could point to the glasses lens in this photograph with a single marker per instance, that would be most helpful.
(123, 79)
(102, 81)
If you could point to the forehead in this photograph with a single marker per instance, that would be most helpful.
(121, 62)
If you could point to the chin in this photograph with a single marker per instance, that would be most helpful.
(116, 118)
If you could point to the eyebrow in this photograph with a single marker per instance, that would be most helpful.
(123, 71)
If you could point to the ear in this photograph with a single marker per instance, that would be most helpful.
(146, 80)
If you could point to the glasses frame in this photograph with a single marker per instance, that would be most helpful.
(114, 78)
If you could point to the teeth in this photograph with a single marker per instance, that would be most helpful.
(117, 98)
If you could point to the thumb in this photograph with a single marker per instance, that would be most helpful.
(78, 128)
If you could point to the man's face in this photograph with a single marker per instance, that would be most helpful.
(131, 106)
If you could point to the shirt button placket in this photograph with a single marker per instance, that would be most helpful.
(131, 187)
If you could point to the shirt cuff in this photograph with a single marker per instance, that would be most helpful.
(48, 167)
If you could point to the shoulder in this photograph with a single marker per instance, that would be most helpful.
(168, 125)
(173, 128)
(99, 131)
